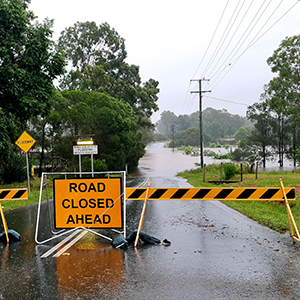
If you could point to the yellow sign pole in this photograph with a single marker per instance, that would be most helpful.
(4, 223)
(142, 215)
(290, 215)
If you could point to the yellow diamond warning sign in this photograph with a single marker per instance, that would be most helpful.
(25, 141)
(90, 203)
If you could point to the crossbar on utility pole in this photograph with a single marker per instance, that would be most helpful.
(200, 116)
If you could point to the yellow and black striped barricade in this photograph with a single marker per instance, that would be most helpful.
(282, 193)
(11, 194)
(223, 194)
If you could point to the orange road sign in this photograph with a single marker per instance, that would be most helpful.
(262, 194)
(90, 203)
(25, 141)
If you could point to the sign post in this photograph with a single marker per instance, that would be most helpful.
(25, 142)
(86, 150)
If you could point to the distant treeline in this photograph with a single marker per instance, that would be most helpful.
(184, 129)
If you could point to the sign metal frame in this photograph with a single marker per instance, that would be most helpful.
(50, 205)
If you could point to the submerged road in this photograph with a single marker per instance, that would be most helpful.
(215, 252)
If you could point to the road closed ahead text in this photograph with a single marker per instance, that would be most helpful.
(94, 203)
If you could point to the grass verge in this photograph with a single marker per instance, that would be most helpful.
(33, 196)
(270, 214)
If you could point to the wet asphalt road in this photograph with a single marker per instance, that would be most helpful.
(216, 253)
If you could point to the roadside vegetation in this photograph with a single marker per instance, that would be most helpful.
(98, 96)
(33, 196)
(270, 214)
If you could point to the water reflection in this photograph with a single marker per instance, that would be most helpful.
(90, 268)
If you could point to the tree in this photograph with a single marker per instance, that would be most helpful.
(98, 58)
(262, 136)
(285, 88)
(48, 129)
(243, 133)
(29, 61)
(112, 123)
(216, 123)
(166, 122)
(90, 45)
(284, 94)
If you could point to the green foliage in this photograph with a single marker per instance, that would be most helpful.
(99, 165)
(112, 123)
(88, 45)
(13, 168)
(188, 150)
(230, 170)
(277, 117)
(218, 155)
(242, 133)
(30, 61)
(297, 156)
(98, 54)
(217, 124)
(159, 137)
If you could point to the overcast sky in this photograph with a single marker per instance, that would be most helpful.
(173, 42)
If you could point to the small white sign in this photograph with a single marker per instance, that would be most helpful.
(81, 150)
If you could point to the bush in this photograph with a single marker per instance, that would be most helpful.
(99, 165)
(159, 137)
(13, 168)
(230, 170)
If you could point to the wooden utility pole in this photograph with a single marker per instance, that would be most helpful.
(200, 117)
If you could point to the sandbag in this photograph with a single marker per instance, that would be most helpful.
(12, 235)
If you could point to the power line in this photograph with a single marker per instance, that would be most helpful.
(217, 49)
(263, 12)
(211, 39)
(229, 101)
(254, 42)
(231, 36)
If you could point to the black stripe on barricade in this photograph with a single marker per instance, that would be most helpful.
(3, 194)
(223, 194)
(137, 193)
(269, 194)
(179, 193)
(246, 194)
(157, 194)
(291, 194)
(201, 193)
(19, 194)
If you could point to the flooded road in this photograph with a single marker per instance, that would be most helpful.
(215, 252)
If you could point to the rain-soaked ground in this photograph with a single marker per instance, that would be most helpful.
(215, 252)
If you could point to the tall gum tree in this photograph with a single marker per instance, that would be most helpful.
(97, 54)
(29, 62)
(284, 91)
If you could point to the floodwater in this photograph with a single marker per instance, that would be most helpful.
(215, 252)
